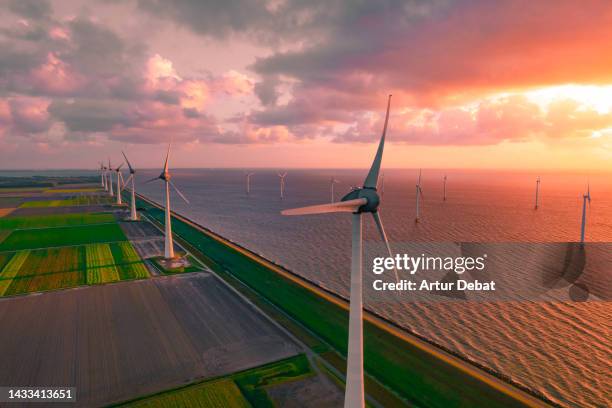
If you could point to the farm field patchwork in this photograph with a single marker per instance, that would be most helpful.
(124, 341)
(45, 269)
(56, 220)
(56, 268)
(62, 236)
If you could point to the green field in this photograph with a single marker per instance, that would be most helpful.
(81, 200)
(244, 389)
(215, 394)
(4, 234)
(55, 220)
(73, 190)
(411, 372)
(62, 236)
(56, 268)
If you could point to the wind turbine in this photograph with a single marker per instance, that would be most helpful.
(102, 178)
(331, 185)
(105, 176)
(282, 184)
(119, 188)
(419, 194)
(360, 200)
(382, 185)
(585, 197)
(165, 176)
(133, 214)
(248, 182)
(110, 178)
(537, 193)
(444, 196)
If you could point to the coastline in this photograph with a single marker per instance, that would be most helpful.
(493, 379)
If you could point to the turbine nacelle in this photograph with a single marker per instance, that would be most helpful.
(369, 194)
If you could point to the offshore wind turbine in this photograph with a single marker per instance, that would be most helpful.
(282, 184)
(133, 214)
(165, 177)
(248, 182)
(444, 194)
(537, 193)
(110, 178)
(331, 185)
(119, 188)
(382, 185)
(585, 197)
(419, 194)
(360, 200)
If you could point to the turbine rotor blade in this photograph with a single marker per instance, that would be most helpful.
(128, 162)
(340, 206)
(383, 235)
(126, 182)
(153, 179)
(372, 178)
(167, 156)
(179, 192)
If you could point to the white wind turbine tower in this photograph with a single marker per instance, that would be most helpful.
(133, 214)
(105, 178)
(119, 187)
(110, 178)
(585, 197)
(165, 176)
(248, 182)
(419, 194)
(282, 184)
(331, 185)
(358, 201)
(537, 193)
(444, 195)
(102, 178)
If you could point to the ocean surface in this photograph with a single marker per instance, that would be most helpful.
(560, 349)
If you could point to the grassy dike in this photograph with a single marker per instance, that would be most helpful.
(418, 374)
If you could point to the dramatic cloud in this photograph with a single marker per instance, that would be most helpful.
(458, 70)
(76, 79)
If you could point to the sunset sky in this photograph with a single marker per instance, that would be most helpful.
(289, 83)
